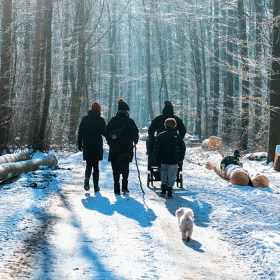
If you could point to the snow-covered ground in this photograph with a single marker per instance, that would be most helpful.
(58, 231)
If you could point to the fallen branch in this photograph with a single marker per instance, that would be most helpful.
(13, 169)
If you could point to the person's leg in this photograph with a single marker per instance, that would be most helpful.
(89, 166)
(96, 176)
(164, 176)
(125, 173)
(172, 172)
(116, 176)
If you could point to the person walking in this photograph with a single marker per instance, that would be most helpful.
(170, 150)
(121, 134)
(90, 141)
(157, 126)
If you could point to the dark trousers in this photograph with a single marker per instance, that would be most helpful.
(92, 165)
(119, 169)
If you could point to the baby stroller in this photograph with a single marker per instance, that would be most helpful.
(154, 168)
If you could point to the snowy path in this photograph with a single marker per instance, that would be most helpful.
(62, 232)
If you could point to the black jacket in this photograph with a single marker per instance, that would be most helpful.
(127, 133)
(91, 129)
(157, 124)
(170, 147)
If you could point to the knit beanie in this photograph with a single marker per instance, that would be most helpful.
(96, 107)
(170, 122)
(168, 103)
(122, 106)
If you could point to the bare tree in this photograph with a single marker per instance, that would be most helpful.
(5, 82)
(274, 131)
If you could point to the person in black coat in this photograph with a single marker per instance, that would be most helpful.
(90, 141)
(170, 150)
(235, 159)
(157, 126)
(121, 134)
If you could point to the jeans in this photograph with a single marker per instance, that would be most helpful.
(168, 174)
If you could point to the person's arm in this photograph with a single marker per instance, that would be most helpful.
(182, 146)
(152, 129)
(181, 128)
(81, 132)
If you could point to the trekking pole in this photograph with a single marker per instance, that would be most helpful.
(138, 170)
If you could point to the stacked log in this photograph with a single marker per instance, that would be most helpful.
(14, 157)
(13, 169)
(234, 173)
(213, 142)
(257, 180)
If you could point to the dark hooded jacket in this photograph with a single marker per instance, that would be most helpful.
(126, 132)
(91, 129)
(157, 124)
(169, 147)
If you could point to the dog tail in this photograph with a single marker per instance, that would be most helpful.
(188, 213)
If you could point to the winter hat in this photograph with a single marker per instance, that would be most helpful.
(236, 153)
(170, 122)
(168, 103)
(95, 106)
(122, 106)
(168, 110)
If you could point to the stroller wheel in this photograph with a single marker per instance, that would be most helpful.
(148, 180)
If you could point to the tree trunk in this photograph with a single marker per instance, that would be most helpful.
(277, 158)
(148, 53)
(48, 85)
(10, 170)
(39, 66)
(233, 172)
(5, 82)
(216, 76)
(244, 75)
(274, 131)
(228, 97)
(77, 98)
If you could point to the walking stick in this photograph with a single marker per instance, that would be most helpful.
(138, 170)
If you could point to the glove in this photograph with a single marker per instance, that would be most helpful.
(80, 148)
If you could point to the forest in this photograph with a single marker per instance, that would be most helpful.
(217, 61)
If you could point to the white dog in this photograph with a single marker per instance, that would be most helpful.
(185, 221)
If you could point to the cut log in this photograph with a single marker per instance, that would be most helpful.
(13, 169)
(14, 157)
(277, 158)
(213, 142)
(258, 180)
(234, 173)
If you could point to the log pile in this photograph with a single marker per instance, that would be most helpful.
(13, 169)
(234, 173)
(213, 142)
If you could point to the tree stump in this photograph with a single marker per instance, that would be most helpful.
(13, 169)
(14, 157)
(234, 173)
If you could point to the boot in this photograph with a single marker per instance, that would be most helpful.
(169, 192)
(117, 188)
(95, 181)
(86, 185)
(163, 189)
(124, 186)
